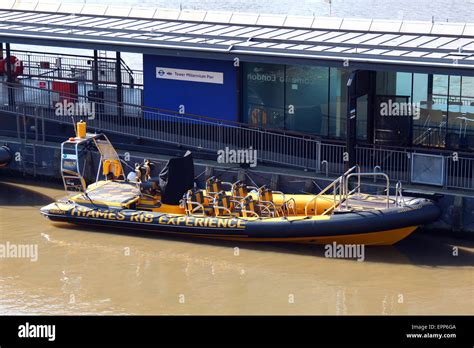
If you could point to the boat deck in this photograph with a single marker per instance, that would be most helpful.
(370, 202)
(110, 193)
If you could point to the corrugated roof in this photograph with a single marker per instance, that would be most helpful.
(367, 40)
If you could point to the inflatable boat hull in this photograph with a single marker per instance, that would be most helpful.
(375, 227)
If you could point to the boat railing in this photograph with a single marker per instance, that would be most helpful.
(341, 194)
(339, 190)
(399, 199)
(336, 201)
(359, 175)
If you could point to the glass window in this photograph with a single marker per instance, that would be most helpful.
(338, 102)
(440, 88)
(431, 92)
(393, 83)
(291, 97)
(455, 118)
(404, 84)
(467, 126)
(386, 83)
(393, 109)
(264, 99)
(420, 88)
(439, 110)
(460, 128)
(455, 88)
(307, 99)
(467, 90)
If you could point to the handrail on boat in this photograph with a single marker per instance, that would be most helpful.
(342, 184)
(359, 175)
(341, 181)
(399, 200)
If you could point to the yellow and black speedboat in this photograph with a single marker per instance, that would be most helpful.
(171, 204)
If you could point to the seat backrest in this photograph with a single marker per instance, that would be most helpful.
(248, 204)
(209, 183)
(265, 194)
(213, 185)
(240, 189)
(222, 201)
(196, 196)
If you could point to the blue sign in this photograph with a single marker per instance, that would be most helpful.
(204, 87)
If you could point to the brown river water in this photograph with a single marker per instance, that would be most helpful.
(93, 271)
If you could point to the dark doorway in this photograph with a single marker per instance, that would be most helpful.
(392, 120)
(360, 87)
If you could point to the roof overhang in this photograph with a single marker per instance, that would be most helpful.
(347, 42)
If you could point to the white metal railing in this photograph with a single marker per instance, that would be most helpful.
(75, 67)
(342, 195)
(208, 134)
(396, 163)
(459, 172)
(339, 187)
(170, 127)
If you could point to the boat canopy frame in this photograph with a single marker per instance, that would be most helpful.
(71, 153)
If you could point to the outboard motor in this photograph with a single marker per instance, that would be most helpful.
(5, 156)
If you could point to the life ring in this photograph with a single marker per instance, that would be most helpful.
(16, 66)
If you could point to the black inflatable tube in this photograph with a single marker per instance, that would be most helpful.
(418, 212)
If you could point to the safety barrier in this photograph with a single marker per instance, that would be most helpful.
(199, 132)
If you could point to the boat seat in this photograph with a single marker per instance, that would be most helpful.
(265, 198)
(150, 189)
(289, 207)
(239, 190)
(196, 203)
(215, 185)
(112, 169)
(249, 208)
(224, 205)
